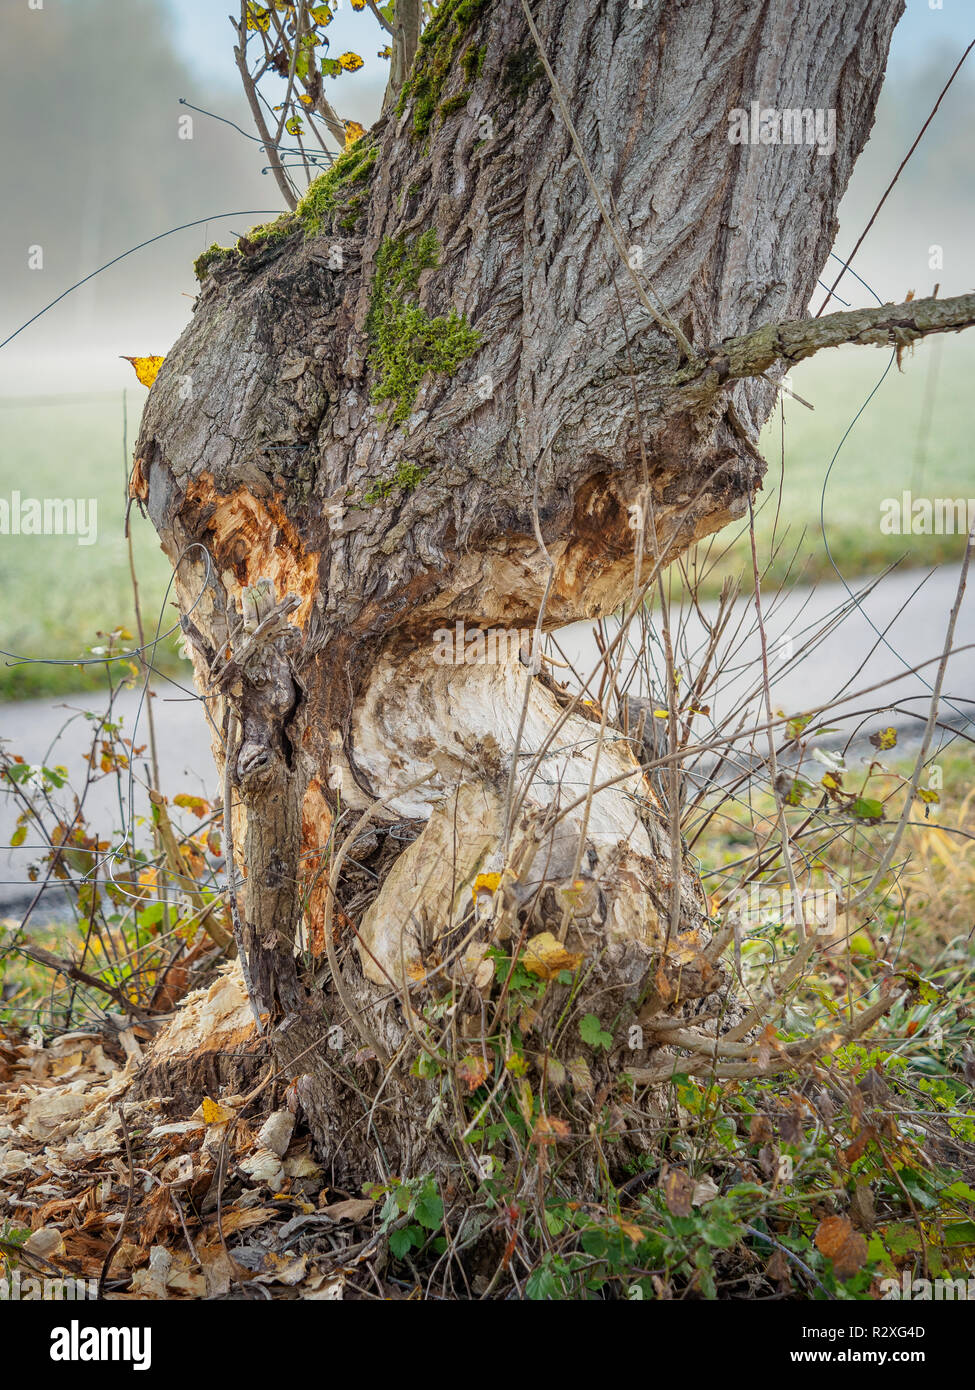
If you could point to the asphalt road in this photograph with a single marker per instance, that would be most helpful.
(812, 657)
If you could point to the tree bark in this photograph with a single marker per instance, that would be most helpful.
(295, 434)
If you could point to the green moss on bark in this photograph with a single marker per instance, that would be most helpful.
(406, 342)
(521, 71)
(268, 234)
(337, 196)
(333, 201)
(406, 477)
(209, 257)
(439, 45)
(472, 63)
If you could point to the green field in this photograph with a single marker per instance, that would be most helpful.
(57, 595)
(915, 435)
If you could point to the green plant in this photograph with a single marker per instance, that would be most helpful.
(412, 1212)
(407, 342)
(406, 477)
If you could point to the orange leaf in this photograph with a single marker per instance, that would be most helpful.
(548, 1130)
(472, 1071)
(837, 1240)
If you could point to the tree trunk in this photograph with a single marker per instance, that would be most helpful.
(439, 395)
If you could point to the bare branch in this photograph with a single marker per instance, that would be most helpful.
(381, 17)
(250, 91)
(890, 325)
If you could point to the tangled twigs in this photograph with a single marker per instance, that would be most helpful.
(357, 1018)
(721, 1059)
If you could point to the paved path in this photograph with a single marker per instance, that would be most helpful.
(808, 673)
(818, 639)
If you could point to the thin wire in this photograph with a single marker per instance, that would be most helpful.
(184, 226)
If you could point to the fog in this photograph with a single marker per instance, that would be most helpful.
(93, 165)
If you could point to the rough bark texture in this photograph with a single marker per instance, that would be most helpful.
(293, 433)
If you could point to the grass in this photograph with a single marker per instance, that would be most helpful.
(57, 594)
(885, 454)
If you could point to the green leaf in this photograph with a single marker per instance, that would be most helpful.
(867, 810)
(429, 1211)
(18, 837)
(400, 1242)
(592, 1032)
(901, 1237)
(542, 1285)
(554, 1223)
(594, 1242)
(960, 1233)
(152, 915)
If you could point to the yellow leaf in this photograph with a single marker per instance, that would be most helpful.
(146, 368)
(861, 945)
(632, 1232)
(214, 1113)
(545, 956)
(523, 1095)
(351, 62)
(353, 132)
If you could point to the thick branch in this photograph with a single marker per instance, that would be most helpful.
(890, 325)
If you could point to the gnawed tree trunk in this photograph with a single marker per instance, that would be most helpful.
(381, 404)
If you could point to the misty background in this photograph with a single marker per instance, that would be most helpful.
(93, 165)
(89, 94)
